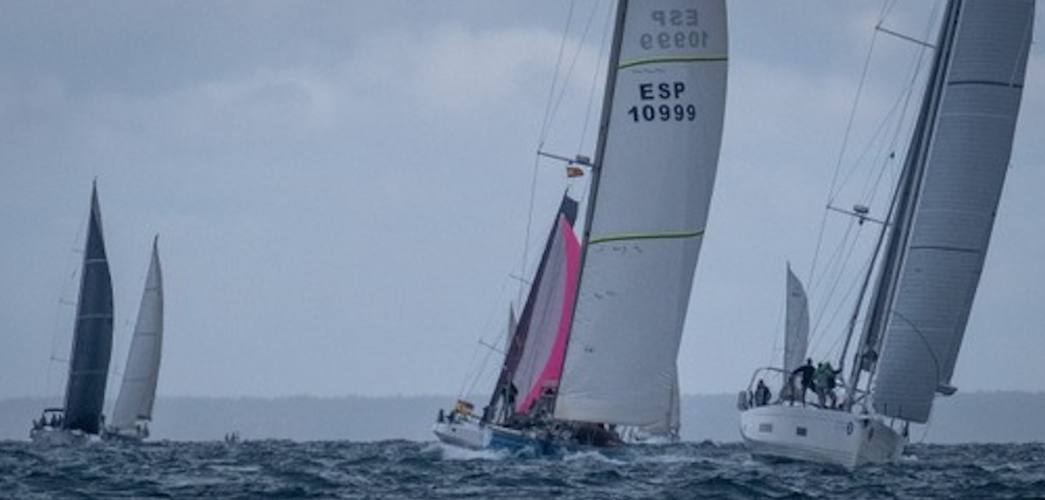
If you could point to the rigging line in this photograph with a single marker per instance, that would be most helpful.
(845, 299)
(595, 77)
(472, 367)
(872, 192)
(569, 70)
(555, 75)
(545, 124)
(841, 152)
(776, 335)
(479, 375)
(841, 263)
(529, 225)
(67, 287)
(915, 71)
(832, 262)
(880, 131)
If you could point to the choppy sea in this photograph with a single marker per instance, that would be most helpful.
(404, 469)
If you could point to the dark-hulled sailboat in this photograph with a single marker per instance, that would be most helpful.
(81, 415)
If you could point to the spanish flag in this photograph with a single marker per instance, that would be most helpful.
(574, 171)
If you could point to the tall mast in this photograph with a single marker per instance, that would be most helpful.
(600, 148)
(900, 211)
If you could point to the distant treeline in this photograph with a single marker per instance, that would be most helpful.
(972, 417)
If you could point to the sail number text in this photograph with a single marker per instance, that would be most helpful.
(666, 111)
(681, 37)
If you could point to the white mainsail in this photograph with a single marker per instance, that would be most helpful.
(963, 164)
(796, 333)
(653, 177)
(138, 390)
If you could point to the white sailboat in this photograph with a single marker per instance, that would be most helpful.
(653, 174)
(133, 410)
(81, 415)
(929, 253)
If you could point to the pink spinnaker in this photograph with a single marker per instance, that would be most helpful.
(552, 370)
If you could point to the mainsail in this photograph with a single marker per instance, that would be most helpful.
(536, 302)
(92, 335)
(796, 334)
(946, 204)
(138, 391)
(652, 181)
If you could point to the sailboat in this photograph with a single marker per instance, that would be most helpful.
(601, 360)
(81, 415)
(929, 252)
(133, 410)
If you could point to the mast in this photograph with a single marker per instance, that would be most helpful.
(600, 151)
(943, 208)
(901, 208)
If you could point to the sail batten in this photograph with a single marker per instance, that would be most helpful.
(947, 222)
(655, 169)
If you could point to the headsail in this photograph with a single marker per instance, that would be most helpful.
(568, 213)
(960, 160)
(796, 335)
(138, 391)
(541, 363)
(92, 335)
(651, 189)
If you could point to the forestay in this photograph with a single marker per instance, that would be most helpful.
(654, 171)
(984, 56)
(138, 391)
(92, 335)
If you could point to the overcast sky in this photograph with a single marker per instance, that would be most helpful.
(341, 188)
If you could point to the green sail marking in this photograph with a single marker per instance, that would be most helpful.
(646, 236)
(679, 59)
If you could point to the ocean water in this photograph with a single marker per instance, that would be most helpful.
(404, 469)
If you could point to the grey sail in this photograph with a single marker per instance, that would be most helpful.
(138, 390)
(796, 334)
(92, 336)
(956, 168)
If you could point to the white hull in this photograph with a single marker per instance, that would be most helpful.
(818, 435)
(50, 436)
(124, 435)
(466, 434)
